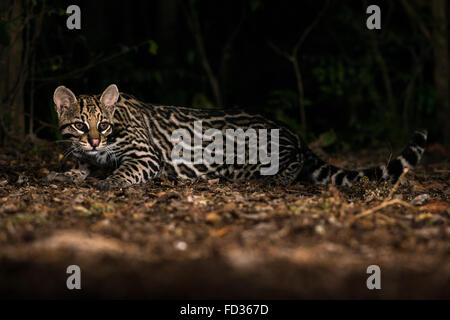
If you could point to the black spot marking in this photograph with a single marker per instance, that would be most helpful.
(369, 173)
(351, 175)
(64, 126)
(378, 174)
(338, 179)
(419, 140)
(201, 167)
(395, 169)
(68, 136)
(332, 170)
(152, 165)
(410, 156)
(186, 170)
(323, 174)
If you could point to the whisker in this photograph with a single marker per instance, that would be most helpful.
(67, 153)
(112, 154)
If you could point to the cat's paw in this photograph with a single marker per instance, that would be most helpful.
(108, 184)
(60, 177)
(73, 176)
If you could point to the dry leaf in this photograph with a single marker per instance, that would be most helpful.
(436, 207)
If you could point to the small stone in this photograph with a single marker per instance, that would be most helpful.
(180, 245)
(43, 172)
(229, 207)
(219, 233)
(212, 217)
(21, 179)
(51, 176)
(420, 200)
(81, 209)
(319, 229)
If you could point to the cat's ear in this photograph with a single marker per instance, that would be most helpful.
(109, 97)
(63, 99)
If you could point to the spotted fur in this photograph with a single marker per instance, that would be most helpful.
(134, 139)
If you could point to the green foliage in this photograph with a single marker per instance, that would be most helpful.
(255, 5)
(201, 100)
(328, 138)
(153, 47)
(427, 101)
(284, 103)
(332, 76)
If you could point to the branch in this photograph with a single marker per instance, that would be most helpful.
(229, 43)
(194, 25)
(414, 16)
(96, 61)
(308, 29)
(37, 32)
(293, 58)
(384, 204)
(278, 51)
(379, 59)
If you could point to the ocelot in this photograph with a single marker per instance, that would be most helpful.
(136, 141)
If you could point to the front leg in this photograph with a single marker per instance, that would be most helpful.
(74, 175)
(132, 171)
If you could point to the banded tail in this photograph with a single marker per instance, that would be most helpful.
(318, 171)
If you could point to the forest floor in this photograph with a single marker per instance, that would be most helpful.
(218, 240)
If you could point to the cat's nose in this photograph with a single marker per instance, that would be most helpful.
(94, 142)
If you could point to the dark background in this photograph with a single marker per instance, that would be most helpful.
(358, 87)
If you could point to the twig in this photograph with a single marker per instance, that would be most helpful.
(441, 170)
(254, 216)
(308, 30)
(395, 187)
(42, 123)
(384, 204)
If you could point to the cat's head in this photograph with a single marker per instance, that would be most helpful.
(86, 120)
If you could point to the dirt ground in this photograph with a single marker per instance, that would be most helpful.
(216, 240)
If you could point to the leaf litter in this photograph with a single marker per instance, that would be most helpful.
(215, 239)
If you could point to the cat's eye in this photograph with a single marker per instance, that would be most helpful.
(103, 126)
(80, 126)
